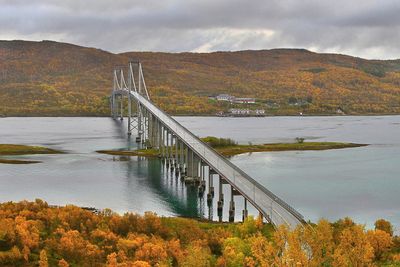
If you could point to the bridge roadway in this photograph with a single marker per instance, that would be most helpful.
(271, 206)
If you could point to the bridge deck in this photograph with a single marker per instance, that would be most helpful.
(265, 201)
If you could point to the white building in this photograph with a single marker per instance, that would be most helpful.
(224, 97)
(244, 100)
(239, 111)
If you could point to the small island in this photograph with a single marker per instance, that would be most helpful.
(17, 150)
(228, 147)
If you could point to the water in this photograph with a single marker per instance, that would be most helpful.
(363, 183)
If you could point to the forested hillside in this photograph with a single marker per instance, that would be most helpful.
(34, 234)
(58, 79)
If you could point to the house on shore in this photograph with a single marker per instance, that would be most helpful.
(235, 100)
(225, 97)
(241, 112)
(244, 100)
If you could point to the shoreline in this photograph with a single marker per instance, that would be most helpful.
(213, 115)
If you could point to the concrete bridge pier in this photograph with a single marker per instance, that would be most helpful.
(203, 175)
(149, 130)
(202, 185)
(197, 162)
(190, 166)
(245, 211)
(122, 108)
(184, 159)
(162, 142)
(143, 129)
(181, 156)
(220, 203)
(167, 147)
(176, 154)
(154, 129)
(171, 150)
(232, 206)
(210, 192)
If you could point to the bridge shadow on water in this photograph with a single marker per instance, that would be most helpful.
(152, 174)
(146, 176)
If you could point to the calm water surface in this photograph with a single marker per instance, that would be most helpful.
(363, 183)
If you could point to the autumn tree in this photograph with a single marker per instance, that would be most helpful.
(63, 263)
(381, 242)
(353, 248)
(319, 239)
(43, 259)
(384, 225)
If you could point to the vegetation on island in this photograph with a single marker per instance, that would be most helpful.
(58, 79)
(36, 234)
(149, 152)
(16, 150)
(11, 149)
(240, 149)
(18, 161)
(229, 147)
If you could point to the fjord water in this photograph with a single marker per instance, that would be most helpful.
(362, 183)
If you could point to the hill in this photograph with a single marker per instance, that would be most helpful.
(58, 79)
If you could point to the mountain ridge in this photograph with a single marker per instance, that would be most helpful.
(61, 79)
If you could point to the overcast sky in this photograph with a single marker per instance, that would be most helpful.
(365, 28)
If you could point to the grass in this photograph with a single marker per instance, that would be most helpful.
(10, 149)
(15, 150)
(16, 161)
(139, 152)
(235, 149)
(240, 149)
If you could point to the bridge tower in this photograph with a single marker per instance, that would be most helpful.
(138, 118)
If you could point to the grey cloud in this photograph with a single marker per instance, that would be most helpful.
(363, 28)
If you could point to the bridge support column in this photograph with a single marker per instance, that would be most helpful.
(210, 193)
(232, 207)
(196, 174)
(167, 147)
(162, 141)
(220, 203)
(189, 169)
(176, 153)
(186, 160)
(155, 136)
(245, 211)
(159, 134)
(111, 99)
(202, 185)
(139, 123)
(145, 129)
(149, 141)
(181, 156)
(152, 140)
(122, 108)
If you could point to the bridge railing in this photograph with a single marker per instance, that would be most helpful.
(258, 195)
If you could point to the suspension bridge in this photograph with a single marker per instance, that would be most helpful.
(188, 156)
